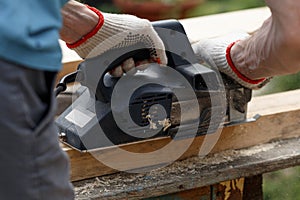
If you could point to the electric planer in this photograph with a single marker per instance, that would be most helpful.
(181, 100)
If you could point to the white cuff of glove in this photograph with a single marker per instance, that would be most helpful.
(216, 53)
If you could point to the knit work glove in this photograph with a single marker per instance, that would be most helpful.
(216, 53)
(117, 31)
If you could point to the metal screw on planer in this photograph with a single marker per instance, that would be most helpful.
(62, 136)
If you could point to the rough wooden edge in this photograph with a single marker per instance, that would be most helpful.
(194, 172)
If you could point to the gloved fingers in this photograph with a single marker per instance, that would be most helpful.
(143, 62)
(128, 64)
(117, 72)
(142, 65)
(203, 52)
(126, 67)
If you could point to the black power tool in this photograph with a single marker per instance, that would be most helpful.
(100, 116)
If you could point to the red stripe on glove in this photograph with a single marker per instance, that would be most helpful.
(236, 71)
(92, 33)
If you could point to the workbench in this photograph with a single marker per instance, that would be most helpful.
(234, 167)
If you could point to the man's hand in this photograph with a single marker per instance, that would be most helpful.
(120, 30)
(216, 53)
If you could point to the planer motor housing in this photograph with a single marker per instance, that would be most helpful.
(92, 108)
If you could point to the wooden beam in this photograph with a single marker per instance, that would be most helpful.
(194, 172)
(233, 189)
(279, 120)
(214, 25)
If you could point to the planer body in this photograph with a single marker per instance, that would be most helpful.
(100, 117)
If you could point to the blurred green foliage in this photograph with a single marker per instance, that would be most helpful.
(279, 84)
(208, 7)
(220, 6)
(282, 185)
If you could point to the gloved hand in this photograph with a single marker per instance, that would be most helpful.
(216, 53)
(120, 30)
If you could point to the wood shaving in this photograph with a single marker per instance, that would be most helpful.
(151, 123)
(166, 123)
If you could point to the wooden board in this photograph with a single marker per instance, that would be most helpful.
(219, 24)
(194, 172)
(233, 189)
(279, 120)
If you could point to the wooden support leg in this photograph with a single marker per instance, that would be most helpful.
(253, 188)
(228, 190)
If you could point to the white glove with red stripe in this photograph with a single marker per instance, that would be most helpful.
(120, 30)
(216, 53)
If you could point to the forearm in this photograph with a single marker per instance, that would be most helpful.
(275, 48)
(78, 20)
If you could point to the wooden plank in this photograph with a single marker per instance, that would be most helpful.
(68, 55)
(196, 193)
(70, 60)
(213, 25)
(232, 189)
(193, 172)
(271, 126)
(67, 68)
(275, 103)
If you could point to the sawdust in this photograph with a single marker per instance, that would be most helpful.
(124, 181)
(257, 149)
(194, 166)
(165, 123)
(152, 125)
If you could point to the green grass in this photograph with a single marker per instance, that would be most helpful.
(282, 185)
(280, 84)
(221, 6)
